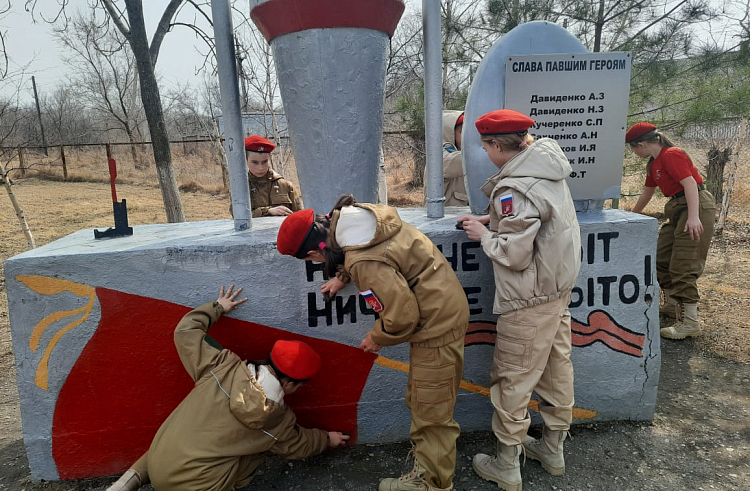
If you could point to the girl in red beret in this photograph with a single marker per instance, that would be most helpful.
(405, 278)
(684, 239)
(217, 437)
(535, 245)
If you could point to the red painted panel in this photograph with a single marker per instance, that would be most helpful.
(279, 17)
(129, 378)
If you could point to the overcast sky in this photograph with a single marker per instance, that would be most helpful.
(32, 44)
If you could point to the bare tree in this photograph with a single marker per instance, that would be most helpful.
(68, 120)
(12, 118)
(129, 21)
(5, 7)
(106, 75)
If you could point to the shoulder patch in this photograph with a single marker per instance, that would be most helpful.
(372, 300)
(448, 147)
(506, 204)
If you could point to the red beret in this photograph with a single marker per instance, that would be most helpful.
(638, 130)
(503, 121)
(295, 359)
(460, 120)
(294, 230)
(255, 143)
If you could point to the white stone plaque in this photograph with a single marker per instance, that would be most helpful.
(580, 100)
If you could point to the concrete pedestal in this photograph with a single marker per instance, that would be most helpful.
(92, 324)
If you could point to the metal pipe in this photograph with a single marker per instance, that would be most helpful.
(433, 107)
(234, 146)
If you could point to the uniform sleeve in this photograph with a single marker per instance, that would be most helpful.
(452, 162)
(196, 354)
(512, 245)
(677, 165)
(295, 442)
(261, 211)
(400, 315)
(650, 182)
(296, 199)
(343, 275)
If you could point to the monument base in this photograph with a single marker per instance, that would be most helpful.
(92, 324)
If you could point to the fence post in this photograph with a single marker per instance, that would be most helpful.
(20, 162)
(727, 198)
(65, 166)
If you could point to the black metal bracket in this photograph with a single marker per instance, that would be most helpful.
(121, 222)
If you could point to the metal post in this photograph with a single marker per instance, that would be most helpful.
(234, 146)
(433, 107)
(39, 115)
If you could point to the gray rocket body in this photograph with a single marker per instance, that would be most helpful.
(333, 84)
(330, 58)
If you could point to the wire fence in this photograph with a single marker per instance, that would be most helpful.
(198, 163)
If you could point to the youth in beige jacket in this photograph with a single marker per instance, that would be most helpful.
(453, 164)
(220, 432)
(535, 249)
(421, 296)
(272, 190)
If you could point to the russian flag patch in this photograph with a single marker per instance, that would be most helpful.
(506, 204)
(372, 300)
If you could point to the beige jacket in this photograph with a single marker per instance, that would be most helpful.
(225, 422)
(422, 300)
(453, 166)
(272, 190)
(535, 245)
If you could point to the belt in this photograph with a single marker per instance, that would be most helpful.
(701, 187)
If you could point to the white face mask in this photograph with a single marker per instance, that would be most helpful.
(269, 382)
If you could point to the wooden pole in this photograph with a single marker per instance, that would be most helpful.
(5, 181)
(65, 167)
(20, 162)
(39, 115)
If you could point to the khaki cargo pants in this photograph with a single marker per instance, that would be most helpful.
(245, 470)
(680, 260)
(532, 353)
(434, 376)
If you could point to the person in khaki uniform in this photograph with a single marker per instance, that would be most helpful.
(218, 435)
(270, 193)
(409, 283)
(453, 164)
(685, 238)
(534, 242)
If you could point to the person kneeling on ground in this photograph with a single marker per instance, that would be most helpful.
(217, 437)
(270, 193)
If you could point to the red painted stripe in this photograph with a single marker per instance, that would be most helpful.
(279, 17)
(481, 326)
(480, 338)
(609, 340)
(601, 321)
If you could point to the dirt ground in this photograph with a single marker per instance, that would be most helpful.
(699, 439)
